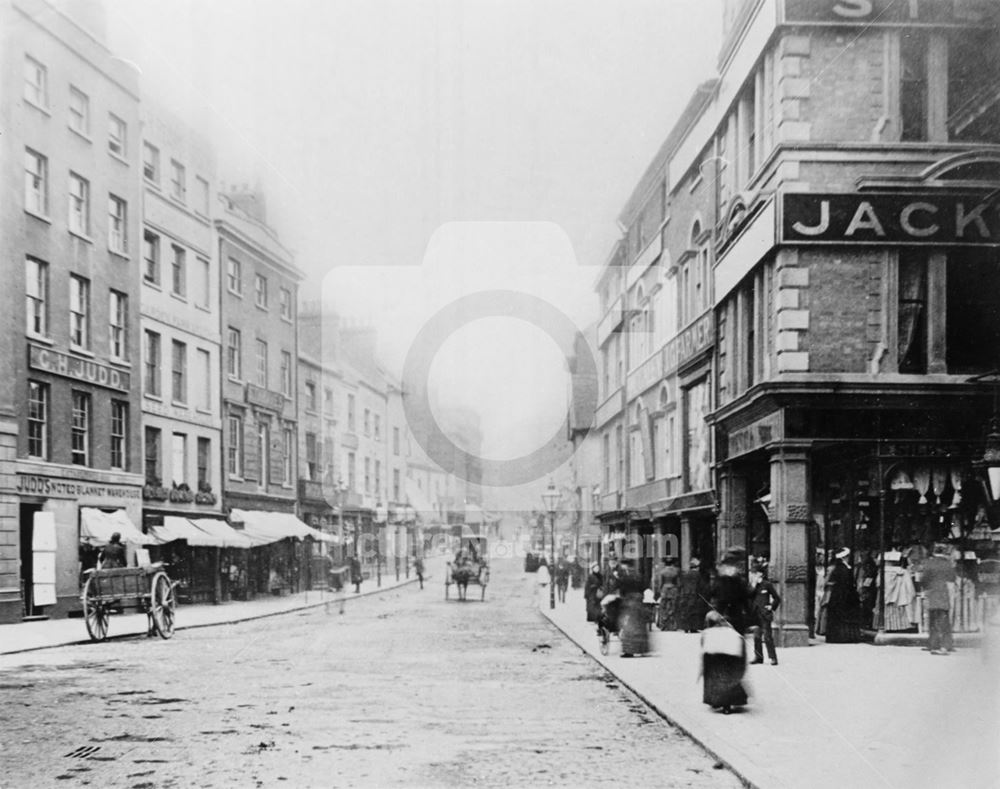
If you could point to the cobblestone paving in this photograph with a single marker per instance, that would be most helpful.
(403, 689)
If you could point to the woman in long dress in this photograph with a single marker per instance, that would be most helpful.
(723, 664)
(632, 629)
(592, 593)
(843, 607)
(724, 653)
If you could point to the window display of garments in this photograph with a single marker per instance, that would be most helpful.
(964, 606)
(900, 595)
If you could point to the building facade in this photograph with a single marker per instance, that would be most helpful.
(320, 410)
(180, 315)
(838, 183)
(69, 399)
(259, 297)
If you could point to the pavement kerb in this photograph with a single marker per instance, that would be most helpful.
(739, 772)
(223, 622)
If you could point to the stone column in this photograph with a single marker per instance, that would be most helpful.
(789, 516)
(685, 546)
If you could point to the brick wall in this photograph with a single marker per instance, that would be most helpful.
(844, 304)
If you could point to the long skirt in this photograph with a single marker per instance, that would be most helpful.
(666, 617)
(842, 627)
(632, 628)
(723, 680)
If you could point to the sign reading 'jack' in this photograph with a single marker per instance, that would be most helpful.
(962, 220)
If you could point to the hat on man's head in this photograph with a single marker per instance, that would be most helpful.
(843, 553)
(694, 563)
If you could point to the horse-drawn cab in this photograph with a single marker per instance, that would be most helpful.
(470, 566)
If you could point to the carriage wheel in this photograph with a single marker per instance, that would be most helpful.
(161, 605)
(95, 613)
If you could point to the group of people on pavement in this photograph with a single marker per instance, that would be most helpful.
(725, 605)
(560, 576)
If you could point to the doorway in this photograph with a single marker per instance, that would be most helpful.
(27, 521)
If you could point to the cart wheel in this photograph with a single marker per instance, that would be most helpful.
(161, 605)
(95, 613)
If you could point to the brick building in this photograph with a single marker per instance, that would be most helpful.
(182, 437)
(69, 393)
(839, 179)
(259, 286)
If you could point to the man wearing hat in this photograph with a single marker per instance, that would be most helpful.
(938, 573)
(765, 602)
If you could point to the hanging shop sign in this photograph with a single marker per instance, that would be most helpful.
(888, 12)
(85, 370)
(905, 218)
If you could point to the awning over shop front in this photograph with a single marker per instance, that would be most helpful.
(263, 528)
(97, 526)
(221, 533)
(201, 533)
(174, 528)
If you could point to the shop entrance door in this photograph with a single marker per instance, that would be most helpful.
(27, 520)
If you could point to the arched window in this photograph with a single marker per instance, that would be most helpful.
(695, 233)
(664, 398)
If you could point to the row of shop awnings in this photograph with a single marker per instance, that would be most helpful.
(258, 528)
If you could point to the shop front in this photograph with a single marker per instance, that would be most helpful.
(279, 559)
(199, 554)
(62, 515)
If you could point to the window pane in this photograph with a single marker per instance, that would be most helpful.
(80, 430)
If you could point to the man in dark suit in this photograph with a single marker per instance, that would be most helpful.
(113, 554)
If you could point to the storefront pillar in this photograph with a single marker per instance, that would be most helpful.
(685, 546)
(789, 517)
(733, 514)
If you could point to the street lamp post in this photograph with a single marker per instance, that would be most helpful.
(381, 519)
(551, 499)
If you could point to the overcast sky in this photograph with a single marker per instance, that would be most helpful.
(414, 151)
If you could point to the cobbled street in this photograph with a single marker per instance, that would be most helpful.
(402, 689)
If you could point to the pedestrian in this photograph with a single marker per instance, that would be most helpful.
(356, 575)
(113, 554)
(542, 579)
(723, 664)
(692, 598)
(593, 591)
(562, 578)
(765, 602)
(723, 646)
(938, 575)
(843, 605)
(632, 629)
(418, 568)
(665, 591)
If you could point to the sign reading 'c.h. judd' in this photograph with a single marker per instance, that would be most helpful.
(888, 12)
(85, 370)
(909, 218)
